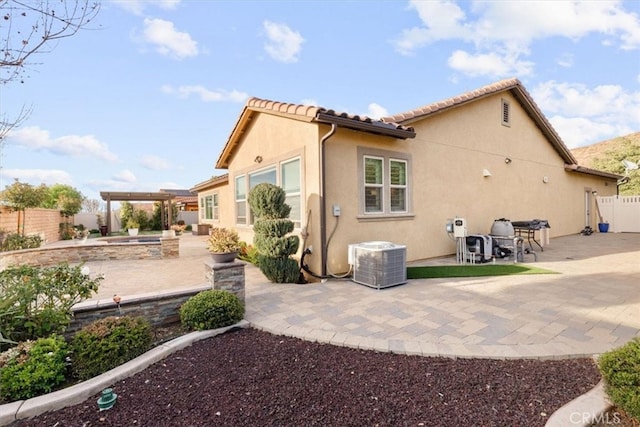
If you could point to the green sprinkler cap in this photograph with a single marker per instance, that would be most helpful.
(107, 400)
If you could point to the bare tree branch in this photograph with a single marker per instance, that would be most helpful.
(28, 26)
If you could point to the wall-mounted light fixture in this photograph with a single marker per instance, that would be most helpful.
(595, 193)
(545, 179)
(507, 160)
(258, 159)
(486, 173)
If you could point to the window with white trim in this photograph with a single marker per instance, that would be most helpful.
(286, 175)
(209, 206)
(241, 199)
(373, 184)
(397, 185)
(290, 182)
(384, 182)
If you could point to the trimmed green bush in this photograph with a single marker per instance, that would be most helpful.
(620, 369)
(211, 309)
(279, 270)
(271, 234)
(108, 343)
(33, 368)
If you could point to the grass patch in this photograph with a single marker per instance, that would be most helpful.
(444, 271)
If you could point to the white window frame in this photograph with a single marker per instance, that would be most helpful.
(380, 186)
(387, 158)
(404, 186)
(277, 168)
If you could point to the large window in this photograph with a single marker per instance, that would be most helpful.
(209, 207)
(241, 199)
(286, 175)
(385, 182)
(290, 183)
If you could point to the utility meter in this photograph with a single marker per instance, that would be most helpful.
(459, 227)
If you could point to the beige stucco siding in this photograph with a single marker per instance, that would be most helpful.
(275, 139)
(448, 157)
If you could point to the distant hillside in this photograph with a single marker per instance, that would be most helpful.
(586, 155)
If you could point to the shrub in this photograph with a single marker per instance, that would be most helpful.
(271, 234)
(223, 240)
(33, 368)
(16, 242)
(248, 253)
(211, 309)
(37, 301)
(108, 343)
(620, 369)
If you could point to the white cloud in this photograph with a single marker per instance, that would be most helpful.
(508, 29)
(37, 139)
(283, 43)
(168, 40)
(377, 111)
(38, 176)
(489, 64)
(137, 7)
(125, 176)
(584, 115)
(205, 94)
(154, 163)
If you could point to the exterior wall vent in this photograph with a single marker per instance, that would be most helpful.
(506, 119)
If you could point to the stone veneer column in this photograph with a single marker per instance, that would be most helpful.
(170, 247)
(227, 276)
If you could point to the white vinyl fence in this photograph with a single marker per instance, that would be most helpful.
(621, 212)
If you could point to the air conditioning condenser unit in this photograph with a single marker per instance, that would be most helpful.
(378, 264)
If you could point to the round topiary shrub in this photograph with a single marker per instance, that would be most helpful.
(108, 343)
(33, 368)
(620, 369)
(211, 309)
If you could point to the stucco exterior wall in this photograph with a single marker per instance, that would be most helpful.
(274, 139)
(446, 161)
(448, 157)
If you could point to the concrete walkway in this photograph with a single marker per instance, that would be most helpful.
(593, 305)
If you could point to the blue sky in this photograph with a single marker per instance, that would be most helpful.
(146, 98)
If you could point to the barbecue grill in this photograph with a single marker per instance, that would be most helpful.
(528, 229)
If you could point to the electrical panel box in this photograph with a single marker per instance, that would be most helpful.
(459, 227)
(336, 210)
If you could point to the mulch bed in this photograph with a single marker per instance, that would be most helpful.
(253, 378)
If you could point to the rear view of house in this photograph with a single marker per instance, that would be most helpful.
(483, 155)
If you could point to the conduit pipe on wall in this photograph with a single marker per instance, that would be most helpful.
(323, 215)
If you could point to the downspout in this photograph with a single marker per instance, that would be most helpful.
(323, 216)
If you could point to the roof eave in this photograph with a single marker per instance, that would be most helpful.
(594, 172)
(375, 127)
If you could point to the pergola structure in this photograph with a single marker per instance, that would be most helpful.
(124, 196)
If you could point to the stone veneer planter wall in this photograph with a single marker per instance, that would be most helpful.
(98, 250)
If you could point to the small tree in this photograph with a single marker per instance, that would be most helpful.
(65, 198)
(271, 227)
(126, 212)
(21, 196)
